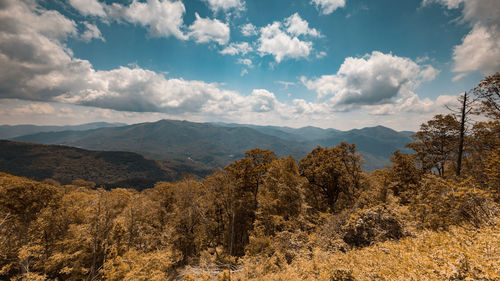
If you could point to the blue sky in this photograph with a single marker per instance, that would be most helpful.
(327, 63)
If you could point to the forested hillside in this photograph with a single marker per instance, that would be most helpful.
(103, 168)
(211, 146)
(430, 215)
(8, 132)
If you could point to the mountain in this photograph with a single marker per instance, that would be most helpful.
(205, 144)
(8, 131)
(303, 134)
(105, 168)
(375, 144)
(214, 145)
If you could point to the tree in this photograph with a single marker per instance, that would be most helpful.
(333, 171)
(248, 175)
(488, 92)
(280, 197)
(462, 115)
(436, 142)
(403, 174)
(21, 203)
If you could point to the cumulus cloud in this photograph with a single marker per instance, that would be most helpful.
(296, 26)
(281, 40)
(480, 48)
(237, 49)
(327, 7)
(225, 5)
(204, 30)
(410, 102)
(262, 100)
(91, 32)
(376, 78)
(136, 89)
(89, 7)
(249, 30)
(163, 18)
(36, 65)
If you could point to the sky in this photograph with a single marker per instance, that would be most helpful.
(339, 64)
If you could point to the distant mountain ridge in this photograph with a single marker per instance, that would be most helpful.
(214, 145)
(12, 131)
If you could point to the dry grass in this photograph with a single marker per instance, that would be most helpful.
(462, 253)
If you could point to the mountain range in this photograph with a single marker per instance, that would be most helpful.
(12, 131)
(214, 145)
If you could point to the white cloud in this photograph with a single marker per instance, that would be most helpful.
(88, 7)
(321, 55)
(225, 5)
(274, 41)
(237, 49)
(410, 102)
(248, 30)
(285, 84)
(296, 26)
(38, 69)
(247, 62)
(48, 23)
(281, 39)
(328, 6)
(34, 108)
(244, 72)
(480, 48)
(163, 18)
(91, 32)
(262, 100)
(376, 78)
(204, 30)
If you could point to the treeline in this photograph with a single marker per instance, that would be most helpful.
(264, 217)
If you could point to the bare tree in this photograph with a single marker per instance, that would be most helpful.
(462, 114)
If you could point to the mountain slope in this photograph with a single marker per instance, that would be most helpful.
(212, 146)
(8, 131)
(64, 164)
(205, 144)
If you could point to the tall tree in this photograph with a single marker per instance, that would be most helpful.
(333, 170)
(435, 142)
(248, 175)
(462, 115)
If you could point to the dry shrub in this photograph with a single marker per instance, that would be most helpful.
(441, 203)
(458, 254)
(367, 226)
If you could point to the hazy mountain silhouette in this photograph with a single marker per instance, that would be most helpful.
(12, 131)
(214, 145)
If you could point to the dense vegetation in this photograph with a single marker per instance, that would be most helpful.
(105, 168)
(432, 215)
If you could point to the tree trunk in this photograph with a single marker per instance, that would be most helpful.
(462, 133)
